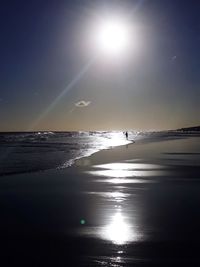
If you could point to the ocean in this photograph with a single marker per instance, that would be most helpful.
(24, 152)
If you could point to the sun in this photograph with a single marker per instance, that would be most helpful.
(112, 37)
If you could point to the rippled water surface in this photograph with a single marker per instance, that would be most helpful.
(36, 151)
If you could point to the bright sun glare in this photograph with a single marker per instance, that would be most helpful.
(113, 37)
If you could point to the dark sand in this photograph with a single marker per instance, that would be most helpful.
(136, 205)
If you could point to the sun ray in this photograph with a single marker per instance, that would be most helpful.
(73, 82)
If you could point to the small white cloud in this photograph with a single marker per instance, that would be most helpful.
(82, 104)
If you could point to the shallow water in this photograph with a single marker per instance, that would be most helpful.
(139, 208)
(36, 151)
(24, 152)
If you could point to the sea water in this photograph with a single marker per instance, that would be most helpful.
(23, 152)
(35, 151)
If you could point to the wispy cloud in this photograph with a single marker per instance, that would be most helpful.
(82, 104)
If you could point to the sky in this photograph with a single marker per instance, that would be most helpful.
(53, 76)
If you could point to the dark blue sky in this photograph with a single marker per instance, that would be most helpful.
(44, 45)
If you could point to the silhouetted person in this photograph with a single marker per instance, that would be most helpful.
(126, 133)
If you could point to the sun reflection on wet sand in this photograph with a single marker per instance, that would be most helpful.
(129, 166)
(119, 223)
(114, 196)
(127, 195)
(121, 181)
(118, 230)
(118, 226)
(125, 173)
(125, 170)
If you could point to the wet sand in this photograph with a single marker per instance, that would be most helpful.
(135, 205)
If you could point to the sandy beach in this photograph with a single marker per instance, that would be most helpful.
(100, 133)
(134, 205)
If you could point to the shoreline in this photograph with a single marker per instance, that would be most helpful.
(124, 152)
(139, 141)
(68, 159)
(127, 205)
